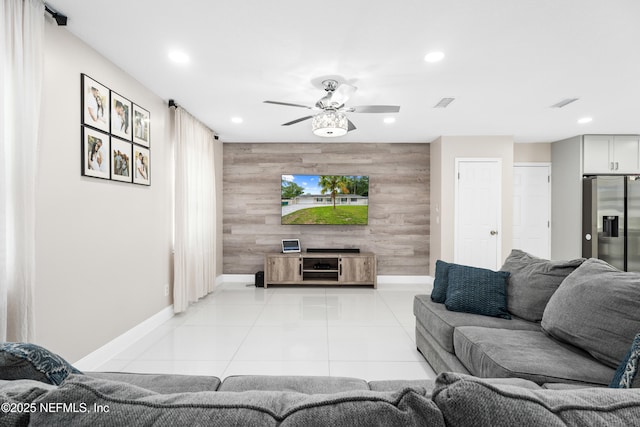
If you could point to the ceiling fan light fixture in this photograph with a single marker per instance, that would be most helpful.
(330, 124)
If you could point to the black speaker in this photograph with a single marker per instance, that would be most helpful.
(260, 279)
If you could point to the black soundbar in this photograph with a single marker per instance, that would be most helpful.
(334, 251)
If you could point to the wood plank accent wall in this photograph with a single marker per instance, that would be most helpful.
(398, 229)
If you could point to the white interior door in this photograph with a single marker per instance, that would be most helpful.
(532, 209)
(478, 212)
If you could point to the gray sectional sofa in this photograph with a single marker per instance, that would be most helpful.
(549, 344)
(119, 399)
(571, 322)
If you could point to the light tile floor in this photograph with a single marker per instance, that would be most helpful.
(355, 332)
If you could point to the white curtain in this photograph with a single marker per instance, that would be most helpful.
(195, 210)
(22, 30)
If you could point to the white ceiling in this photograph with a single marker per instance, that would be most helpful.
(506, 63)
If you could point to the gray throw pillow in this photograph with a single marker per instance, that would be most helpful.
(477, 290)
(596, 308)
(32, 362)
(533, 281)
(470, 401)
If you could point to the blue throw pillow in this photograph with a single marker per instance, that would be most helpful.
(32, 362)
(439, 292)
(477, 290)
(626, 375)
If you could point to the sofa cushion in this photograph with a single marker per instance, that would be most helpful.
(162, 383)
(441, 322)
(298, 384)
(477, 290)
(16, 397)
(32, 362)
(531, 355)
(533, 281)
(466, 400)
(406, 407)
(440, 282)
(596, 309)
(626, 375)
(394, 385)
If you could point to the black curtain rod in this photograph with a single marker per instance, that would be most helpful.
(61, 20)
(173, 103)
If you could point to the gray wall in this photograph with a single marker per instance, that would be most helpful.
(398, 230)
(102, 248)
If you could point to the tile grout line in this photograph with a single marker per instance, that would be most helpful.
(399, 322)
(326, 316)
(244, 339)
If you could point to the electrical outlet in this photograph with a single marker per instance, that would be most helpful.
(166, 290)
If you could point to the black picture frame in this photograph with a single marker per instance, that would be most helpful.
(95, 162)
(121, 160)
(95, 103)
(141, 165)
(121, 111)
(141, 126)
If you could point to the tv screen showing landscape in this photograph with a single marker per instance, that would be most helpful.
(325, 199)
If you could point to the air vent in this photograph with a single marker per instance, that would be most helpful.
(564, 102)
(444, 103)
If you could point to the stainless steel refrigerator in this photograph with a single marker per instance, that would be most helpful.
(611, 220)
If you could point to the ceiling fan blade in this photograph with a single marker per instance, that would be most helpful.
(375, 109)
(287, 104)
(342, 93)
(351, 126)
(293, 122)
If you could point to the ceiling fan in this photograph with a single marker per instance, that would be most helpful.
(331, 121)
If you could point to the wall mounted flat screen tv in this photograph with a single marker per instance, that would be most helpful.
(325, 199)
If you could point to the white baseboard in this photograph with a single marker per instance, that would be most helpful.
(419, 283)
(239, 278)
(405, 280)
(99, 357)
(384, 282)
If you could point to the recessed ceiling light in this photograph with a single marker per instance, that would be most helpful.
(564, 102)
(444, 103)
(584, 120)
(389, 119)
(178, 57)
(236, 119)
(434, 57)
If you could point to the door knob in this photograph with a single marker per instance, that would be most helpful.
(493, 232)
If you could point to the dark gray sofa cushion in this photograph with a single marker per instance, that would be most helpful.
(129, 404)
(500, 353)
(298, 384)
(466, 401)
(533, 281)
(162, 383)
(596, 308)
(441, 322)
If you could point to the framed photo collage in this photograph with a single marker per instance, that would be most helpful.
(116, 135)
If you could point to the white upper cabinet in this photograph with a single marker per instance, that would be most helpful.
(611, 154)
